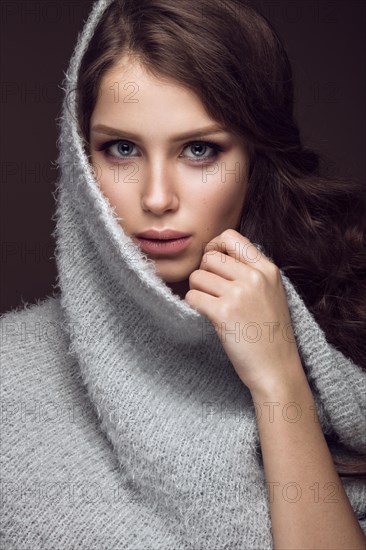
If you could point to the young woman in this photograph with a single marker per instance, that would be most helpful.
(197, 381)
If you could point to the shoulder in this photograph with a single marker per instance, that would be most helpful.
(30, 326)
(42, 396)
(34, 346)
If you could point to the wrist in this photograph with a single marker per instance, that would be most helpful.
(292, 385)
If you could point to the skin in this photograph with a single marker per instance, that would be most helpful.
(237, 290)
(171, 189)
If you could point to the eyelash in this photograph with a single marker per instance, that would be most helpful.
(215, 146)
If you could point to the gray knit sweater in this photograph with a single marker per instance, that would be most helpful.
(123, 423)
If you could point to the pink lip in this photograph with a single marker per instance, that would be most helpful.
(165, 242)
(166, 234)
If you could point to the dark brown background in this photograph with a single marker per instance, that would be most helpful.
(325, 41)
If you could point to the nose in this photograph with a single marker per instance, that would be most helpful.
(159, 191)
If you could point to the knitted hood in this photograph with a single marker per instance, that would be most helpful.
(142, 349)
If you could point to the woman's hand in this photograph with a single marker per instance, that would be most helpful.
(240, 291)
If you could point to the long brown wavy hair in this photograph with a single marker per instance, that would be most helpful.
(309, 223)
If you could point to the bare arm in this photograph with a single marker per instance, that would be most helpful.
(308, 504)
(235, 294)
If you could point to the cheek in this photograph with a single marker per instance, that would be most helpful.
(223, 203)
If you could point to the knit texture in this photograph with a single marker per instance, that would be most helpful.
(124, 424)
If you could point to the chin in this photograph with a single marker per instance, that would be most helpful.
(178, 278)
(171, 273)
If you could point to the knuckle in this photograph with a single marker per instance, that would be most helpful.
(224, 311)
(221, 313)
(189, 294)
(237, 293)
(230, 233)
(257, 278)
(273, 271)
(207, 255)
(194, 275)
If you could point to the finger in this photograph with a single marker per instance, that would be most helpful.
(202, 302)
(208, 282)
(224, 266)
(239, 247)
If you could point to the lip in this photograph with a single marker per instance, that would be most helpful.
(166, 234)
(163, 243)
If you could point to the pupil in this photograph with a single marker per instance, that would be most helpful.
(122, 147)
(197, 148)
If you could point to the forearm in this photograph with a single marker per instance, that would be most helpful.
(308, 505)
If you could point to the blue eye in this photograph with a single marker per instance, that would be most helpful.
(123, 149)
(197, 147)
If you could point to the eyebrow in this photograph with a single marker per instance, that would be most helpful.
(200, 132)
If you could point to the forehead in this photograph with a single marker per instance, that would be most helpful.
(128, 70)
(129, 94)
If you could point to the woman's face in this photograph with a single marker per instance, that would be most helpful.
(156, 177)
